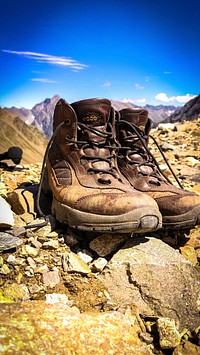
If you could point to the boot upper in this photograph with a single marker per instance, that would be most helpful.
(140, 168)
(86, 142)
(82, 163)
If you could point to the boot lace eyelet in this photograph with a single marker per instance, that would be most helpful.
(68, 122)
(104, 181)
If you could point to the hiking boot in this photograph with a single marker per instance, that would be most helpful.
(179, 208)
(89, 192)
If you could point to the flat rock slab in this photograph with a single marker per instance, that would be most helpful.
(157, 279)
(39, 328)
(7, 241)
(107, 244)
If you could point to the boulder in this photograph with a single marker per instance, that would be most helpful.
(106, 244)
(39, 328)
(156, 278)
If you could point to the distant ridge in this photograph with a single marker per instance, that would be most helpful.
(119, 105)
(15, 132)
(41, 115)
(160, 113)
(24, 113)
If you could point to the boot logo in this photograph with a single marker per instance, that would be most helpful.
(142, 127)
(90, 118)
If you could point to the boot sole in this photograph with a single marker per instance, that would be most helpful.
(140, 220)
(186, 220)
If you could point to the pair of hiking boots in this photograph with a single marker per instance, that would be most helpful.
(103, 177)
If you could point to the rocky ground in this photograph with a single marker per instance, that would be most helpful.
(64, 292)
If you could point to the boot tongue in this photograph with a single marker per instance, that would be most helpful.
(137, 116)
(93, 112)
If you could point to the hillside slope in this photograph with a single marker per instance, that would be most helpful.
(189, 112)
(15, 132)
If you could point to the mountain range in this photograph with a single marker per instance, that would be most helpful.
(158, 113)
(41, 115)
(30, 129)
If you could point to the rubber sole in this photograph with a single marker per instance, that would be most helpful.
(186, 220)
(140, 220)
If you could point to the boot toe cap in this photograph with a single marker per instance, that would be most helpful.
(177, 205)
(114, 203)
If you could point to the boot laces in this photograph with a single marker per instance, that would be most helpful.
(147, 157)
(106, 137)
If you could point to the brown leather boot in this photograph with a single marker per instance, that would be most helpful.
(179, 208)
(89, 192)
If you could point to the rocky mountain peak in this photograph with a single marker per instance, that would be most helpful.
(43, 115)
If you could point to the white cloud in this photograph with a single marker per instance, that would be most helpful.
(127, 100)
(162, 96)
(107, 84)
(140, 101)
(167, 72)
(50, 59)
(138, 86)
(133, 101)
(44, 80)
(184, 98)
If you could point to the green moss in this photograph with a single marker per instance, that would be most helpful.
(5, 299)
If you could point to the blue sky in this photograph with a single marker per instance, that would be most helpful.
(147, 52)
